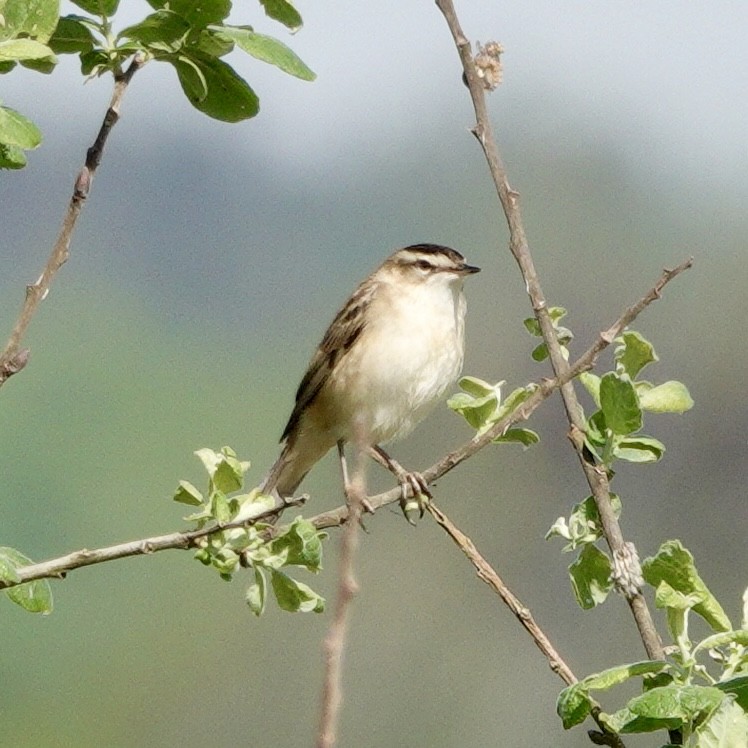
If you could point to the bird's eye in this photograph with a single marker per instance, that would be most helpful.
(423, 264)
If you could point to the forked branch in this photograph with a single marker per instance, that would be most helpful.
(519, 247)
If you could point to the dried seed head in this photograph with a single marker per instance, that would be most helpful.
(488, 64)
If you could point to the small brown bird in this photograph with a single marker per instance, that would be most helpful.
(386, 359)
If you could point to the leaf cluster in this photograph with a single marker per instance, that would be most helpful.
(191, 37)
(622, 399)
(482, 406)
(612, 433)
(683, 692)
(228, 549)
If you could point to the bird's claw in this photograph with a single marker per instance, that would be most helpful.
(414, 484)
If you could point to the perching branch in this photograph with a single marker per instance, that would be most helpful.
(14, 358)
(519, 247)
(58, 567)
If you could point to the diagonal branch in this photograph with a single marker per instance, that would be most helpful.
(13, 358)
(521, 612)
(58, 567)
(519, 247)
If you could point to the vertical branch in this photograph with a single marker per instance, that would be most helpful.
(334, 645)
(519, 247)
(13, 358)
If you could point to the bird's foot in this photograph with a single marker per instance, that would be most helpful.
(414, 490)
(413, 483)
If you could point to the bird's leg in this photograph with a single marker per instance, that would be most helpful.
(409, 481)
(365, 505)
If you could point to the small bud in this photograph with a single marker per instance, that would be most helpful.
(627, 571)
(488, 64)
(83, 183)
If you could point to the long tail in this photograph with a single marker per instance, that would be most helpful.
(296, 459)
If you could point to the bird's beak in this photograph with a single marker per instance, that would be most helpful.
(468, 270)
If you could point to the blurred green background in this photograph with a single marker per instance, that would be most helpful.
(206, 265)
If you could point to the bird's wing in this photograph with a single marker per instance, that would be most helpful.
(341, 335)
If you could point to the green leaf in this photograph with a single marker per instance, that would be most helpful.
(525, 437)
(737, 636)
(667, 597)
(214, 88)
(212, 43)
(36, 596)
(596, 429)
(26, 49)
(186, 493)
(726, 728)
(15, 129)
(481, 406)
(676, 606)
(638, 449)
(738, 687)
(294, 596)
(591, 382)
(8, 565)
(584, 523)
(574, 702)
(620, 404)
(284, 12)
(198, 13)
(532, 325)
(71, 37)
(668, 707)
(556, 313)
(302, 544)
(674, 564)
(95, 62)
(479, 387)
(257, 593)
(634, 353)
(160, 32)
(615, 676)
(573, 706)
(11, 157)
(227, 477)
(591, 577)
(98, 7)
(669, 397)
(220, 508)
(33, 18)
(479, 403)
(267, 49)
(540, 353)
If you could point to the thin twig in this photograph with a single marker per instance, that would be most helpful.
(13, 358)
(488, 574)
(334, 645)
(521, 612)
(519, 247)
(58, 567)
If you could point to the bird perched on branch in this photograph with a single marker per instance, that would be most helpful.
(388, 356)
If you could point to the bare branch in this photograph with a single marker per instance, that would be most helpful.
(521, 612)
(334, 645)
(519, 247)
(12, 359)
